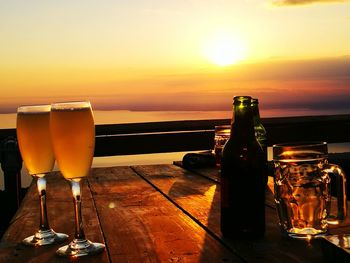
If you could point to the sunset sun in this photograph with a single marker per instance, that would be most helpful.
(224, 50)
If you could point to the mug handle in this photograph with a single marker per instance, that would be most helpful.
(340, 178)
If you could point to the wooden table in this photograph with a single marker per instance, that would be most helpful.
(151, 213)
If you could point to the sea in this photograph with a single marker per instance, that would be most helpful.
(8, 120)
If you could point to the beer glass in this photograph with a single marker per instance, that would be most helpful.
(222, 134)
(73, 139)
(302, 189)
(33, 134)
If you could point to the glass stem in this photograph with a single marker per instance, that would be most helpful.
(44, 222)
(76, 190)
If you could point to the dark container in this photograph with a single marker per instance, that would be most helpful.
(242, 177)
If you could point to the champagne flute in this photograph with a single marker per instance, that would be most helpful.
(73, 138)
(33, 134)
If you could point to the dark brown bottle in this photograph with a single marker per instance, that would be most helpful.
(242, 177)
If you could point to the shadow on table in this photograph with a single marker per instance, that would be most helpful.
(273, 247)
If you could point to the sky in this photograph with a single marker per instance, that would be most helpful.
(175, 55)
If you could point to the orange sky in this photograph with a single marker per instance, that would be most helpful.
(177, 55)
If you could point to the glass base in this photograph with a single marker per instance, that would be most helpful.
(45, 237)
(80, 248)
(306, 233)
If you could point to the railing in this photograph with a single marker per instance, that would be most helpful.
(138, 138)
(174, 136)
(158, 137)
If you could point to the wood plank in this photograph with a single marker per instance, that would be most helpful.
(126, 144)
(189, 125)
(136, 138)
(199, 197)
(213, 173)
(156, 127)
(193, 135)
(61, 218)
(141, 225)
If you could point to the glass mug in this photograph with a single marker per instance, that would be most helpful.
(302, 189)
(222, 134)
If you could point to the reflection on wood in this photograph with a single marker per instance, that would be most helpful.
(61, 219)
(137, 223)
(192, 193)
(153, 213)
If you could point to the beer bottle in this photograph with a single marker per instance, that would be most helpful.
(242, 177)
(260, 131)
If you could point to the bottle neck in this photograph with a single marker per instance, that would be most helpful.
(256, 113)
(255, 110)
(242, 121)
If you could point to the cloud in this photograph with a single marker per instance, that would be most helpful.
(304, 2)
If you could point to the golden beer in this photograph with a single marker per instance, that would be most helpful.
(73, 139)
(34, 140)
(33, 133)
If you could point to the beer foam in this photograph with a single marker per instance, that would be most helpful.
(70, 109)
(35, 109)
